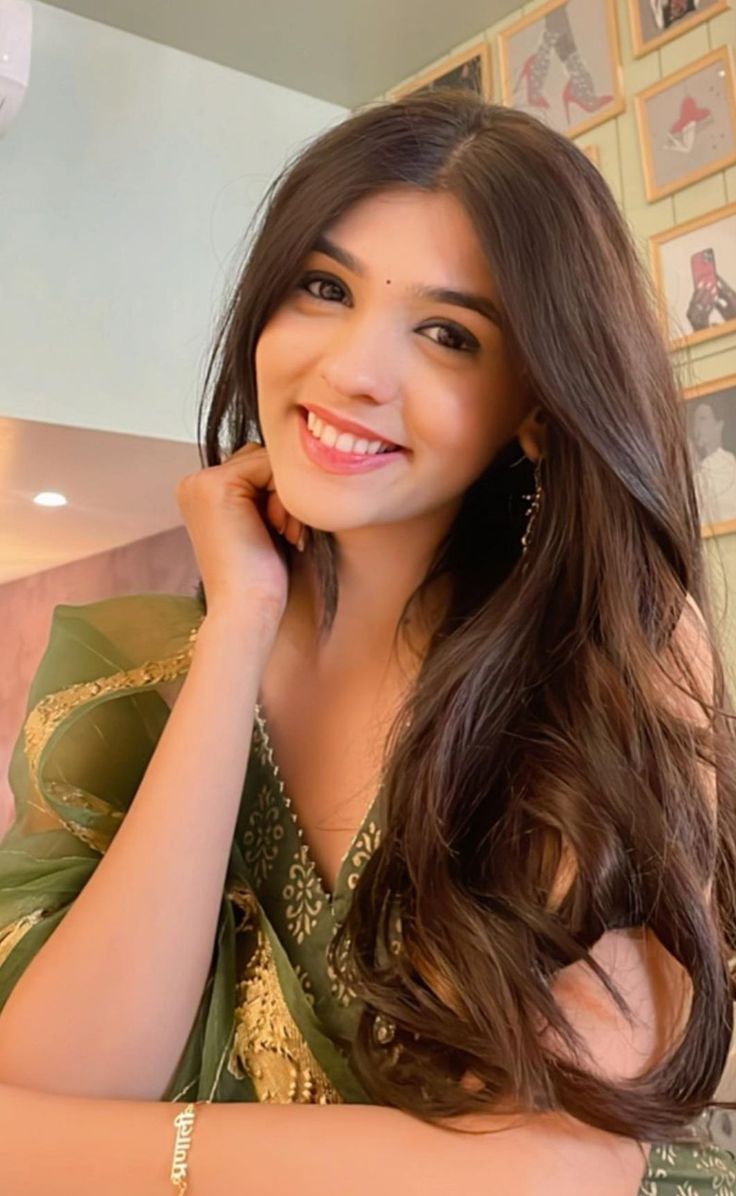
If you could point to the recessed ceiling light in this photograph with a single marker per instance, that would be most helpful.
(49, 498)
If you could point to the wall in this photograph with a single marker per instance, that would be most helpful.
(162, 564)
(127, 183)
(621, 164)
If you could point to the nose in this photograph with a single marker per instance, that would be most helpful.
(360, 362)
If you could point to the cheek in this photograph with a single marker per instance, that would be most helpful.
(466, 422)
(282, 352)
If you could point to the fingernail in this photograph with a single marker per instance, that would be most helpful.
(301, 540)
(282, 529)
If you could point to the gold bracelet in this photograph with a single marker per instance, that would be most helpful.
(184, 1123)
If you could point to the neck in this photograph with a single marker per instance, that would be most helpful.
(377, 571)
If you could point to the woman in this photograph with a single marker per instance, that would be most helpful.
(469, 873)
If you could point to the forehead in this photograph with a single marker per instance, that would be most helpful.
(409, 235)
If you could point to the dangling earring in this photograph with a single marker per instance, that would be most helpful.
(534, 502)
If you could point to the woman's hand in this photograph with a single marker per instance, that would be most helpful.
(229, 511)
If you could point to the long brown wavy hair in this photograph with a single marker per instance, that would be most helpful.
(535, 728)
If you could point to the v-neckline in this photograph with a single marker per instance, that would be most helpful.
(330, 897)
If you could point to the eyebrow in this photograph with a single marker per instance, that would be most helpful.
(479, 303)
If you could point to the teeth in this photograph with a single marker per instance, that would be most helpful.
(344, 442)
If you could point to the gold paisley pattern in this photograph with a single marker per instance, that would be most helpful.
(268, 1046)
(303, 895)
(48, 714)
(305, 980)
(341, 991)
(676, 1170)
(265, 832)
(362, 849)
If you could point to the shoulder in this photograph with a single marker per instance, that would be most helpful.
(94, 641)
(87, 639)
(97, 705)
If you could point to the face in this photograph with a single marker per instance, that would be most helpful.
(706, 429)
(357, 341)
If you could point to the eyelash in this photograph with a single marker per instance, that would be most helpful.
(467, 345)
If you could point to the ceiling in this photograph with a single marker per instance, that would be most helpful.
(345, 52)
(119, 488)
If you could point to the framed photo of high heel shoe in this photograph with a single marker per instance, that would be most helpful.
(694, 271)
(654, 22)
(470, 70)
(687, 124)
(562, 63)
(711, 433)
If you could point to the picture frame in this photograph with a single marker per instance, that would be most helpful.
(593, 152)
(687, 124)
(562, 63)
(694, 270)
(468, 70)
(653, 23)
(711, 430)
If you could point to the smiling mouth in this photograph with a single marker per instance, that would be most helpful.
(387, 446)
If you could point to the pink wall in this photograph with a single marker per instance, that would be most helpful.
(163, 563)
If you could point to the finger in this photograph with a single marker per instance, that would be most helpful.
(293, 529)
(276, 511)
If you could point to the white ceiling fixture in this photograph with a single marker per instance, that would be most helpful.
(16, 33)
(49, 498)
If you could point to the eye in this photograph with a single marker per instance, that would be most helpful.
(463, 341)
(308, 279)
(462, 344)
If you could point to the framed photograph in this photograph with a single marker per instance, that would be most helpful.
(654, 22)
(687, 124)
(694, 269)
(562, 63)
(469, 70)
(711, 431)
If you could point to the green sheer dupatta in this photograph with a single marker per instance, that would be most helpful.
(98, 703)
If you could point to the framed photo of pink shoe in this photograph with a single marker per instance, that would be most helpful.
(711, 432)
(655, 22)
(693, 267)
(469, 69)
(687, 124)
(562, 63)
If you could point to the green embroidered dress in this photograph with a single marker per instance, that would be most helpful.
(272, 1014)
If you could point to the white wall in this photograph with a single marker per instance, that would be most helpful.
(126, 184)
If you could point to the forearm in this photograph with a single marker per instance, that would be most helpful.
(106, 1006)
(74, 1146)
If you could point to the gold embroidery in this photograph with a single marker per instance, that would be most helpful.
(304, 895)
(363, 848)
(48, 714)
(268, 1046)
(11, 935)
(260, 843)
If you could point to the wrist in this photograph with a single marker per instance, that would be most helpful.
(255, 625)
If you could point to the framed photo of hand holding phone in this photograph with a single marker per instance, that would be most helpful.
(694, 268)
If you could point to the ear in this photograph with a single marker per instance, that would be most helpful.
(531, 434)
